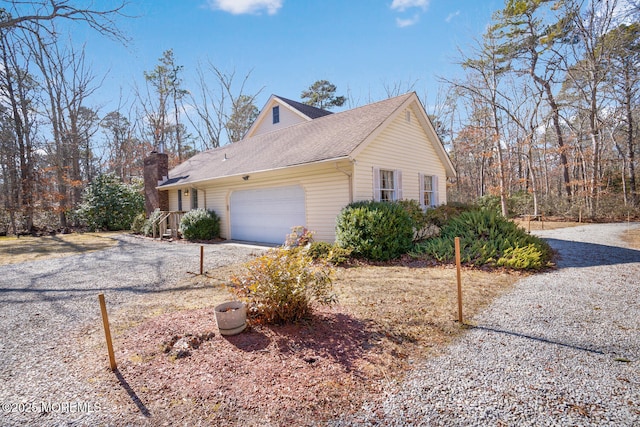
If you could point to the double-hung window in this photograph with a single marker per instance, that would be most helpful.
(387, 185)
(276, 114)
(428, 190)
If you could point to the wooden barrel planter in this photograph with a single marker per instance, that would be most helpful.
(231, 317)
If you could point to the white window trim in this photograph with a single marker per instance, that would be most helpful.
(377, 183)
(434, 190)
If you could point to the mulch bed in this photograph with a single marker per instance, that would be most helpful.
(178, 367)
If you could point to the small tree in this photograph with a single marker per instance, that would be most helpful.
(322, 94)
(109, 204)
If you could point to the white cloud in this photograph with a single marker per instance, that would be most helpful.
(238, 7)
(402, 5)
(407, 22)
(451, 16)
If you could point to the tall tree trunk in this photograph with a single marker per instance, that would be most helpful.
(555, 117)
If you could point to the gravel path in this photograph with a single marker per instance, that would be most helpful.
(44, 306)
(561, 349)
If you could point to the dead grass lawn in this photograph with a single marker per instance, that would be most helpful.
(632, 237)
(545, 225)
(15, 250)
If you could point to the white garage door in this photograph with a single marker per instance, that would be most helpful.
(266, 215)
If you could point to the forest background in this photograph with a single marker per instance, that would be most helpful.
(542, 119)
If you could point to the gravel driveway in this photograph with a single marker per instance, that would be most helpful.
(561, 349)
(45, 304)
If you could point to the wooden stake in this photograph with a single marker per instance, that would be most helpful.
(107, 332)
(457, 243)
(201, 260)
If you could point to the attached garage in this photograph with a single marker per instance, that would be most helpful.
(267, 214)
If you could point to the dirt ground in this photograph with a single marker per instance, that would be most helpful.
(388, 318)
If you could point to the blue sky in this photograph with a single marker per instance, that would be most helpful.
(359, 45)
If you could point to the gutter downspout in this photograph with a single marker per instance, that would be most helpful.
(349, 175)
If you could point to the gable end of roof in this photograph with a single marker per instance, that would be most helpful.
(308, 110)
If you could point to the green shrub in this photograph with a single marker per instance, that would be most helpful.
(421, 226)
(490, 202)
(333, 254)
(147, 227)
(283, 285)
(487, 238)
(138, 223)
(375, 230)
(520, 203)
(440, 215)
(526, 258)
(320, 250)
(109, 204)
(200, 224)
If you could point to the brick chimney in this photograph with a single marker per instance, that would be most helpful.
(156, 170)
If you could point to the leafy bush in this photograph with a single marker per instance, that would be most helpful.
(138, 223)
(375, 230)
(520, 203)
(299, 236)
(487, 238)
(281, 286)
(490, 202)
(333, 254)
(200, 224)
(109, 204)
(421, 226)
(440, 215)
(147, 227)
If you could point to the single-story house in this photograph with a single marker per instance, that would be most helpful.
(300, 165)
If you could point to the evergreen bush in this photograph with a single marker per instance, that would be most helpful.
(487, 238)
(200, 224)
(332, 254)
(377, 231)
(147, 227)
(138, 223)
(109, 204)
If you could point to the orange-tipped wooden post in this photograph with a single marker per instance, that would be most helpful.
(457, 243)
(107, 332)
(201, 260)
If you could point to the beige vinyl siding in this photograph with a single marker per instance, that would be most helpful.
(173, 200)
(404, 146)
(186, 200)
(287, 118)
(326, 193)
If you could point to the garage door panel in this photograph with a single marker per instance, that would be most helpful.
(266, 215)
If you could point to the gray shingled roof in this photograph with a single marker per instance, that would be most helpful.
(333, 136)
(307, 110)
